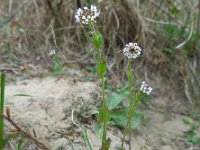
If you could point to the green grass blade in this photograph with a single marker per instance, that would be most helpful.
(87, 140)
(3, 76)
(23, 95)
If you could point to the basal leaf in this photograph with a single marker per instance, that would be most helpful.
(98, 129)
(113, 101)
(136, 119)
(119, 117)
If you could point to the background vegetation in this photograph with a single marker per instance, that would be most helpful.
(168, 32)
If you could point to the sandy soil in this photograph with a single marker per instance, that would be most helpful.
(49, 113)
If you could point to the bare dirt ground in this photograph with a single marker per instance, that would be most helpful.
(49, 113)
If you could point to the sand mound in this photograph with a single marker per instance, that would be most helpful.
(48, 112)
(49, 109)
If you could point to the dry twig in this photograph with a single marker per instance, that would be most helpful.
(25, 133)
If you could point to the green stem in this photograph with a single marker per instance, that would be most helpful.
(130, 84)
(103, 98)
(129, 135)
(3, 76)
(130, 101)
(103, 90)
(124, 135)
(129, 114)
(91, 25)
(104, 134)
(103, 104)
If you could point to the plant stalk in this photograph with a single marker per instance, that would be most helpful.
(103, 101)
(101, 74)
(129, 114)
(130, 101)
(2, 94)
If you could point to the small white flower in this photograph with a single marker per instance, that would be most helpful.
(145, 88)
(85, 15)
(52, 52)
(132, 50)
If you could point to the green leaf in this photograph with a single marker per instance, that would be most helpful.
(101, 67)
(25, 95)
(173, 10)
(169, 28)
(57, 68)
(113, 101)
(168, 50)
(19, 144)
(91, 68)
(124, 91)
(97, 39)
(136, 119)
(98, 129)
(86, 139)
(94, 111)
(186, 121)
(193, 139)
(104, 114)
(10, 136)
(119, 117)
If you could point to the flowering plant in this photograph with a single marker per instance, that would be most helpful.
(87, 16)
(132, 51)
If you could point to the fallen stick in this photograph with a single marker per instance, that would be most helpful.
(26, 134)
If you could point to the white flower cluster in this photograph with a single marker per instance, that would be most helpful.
(85, 15)
(145, 88)
(132, 50)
